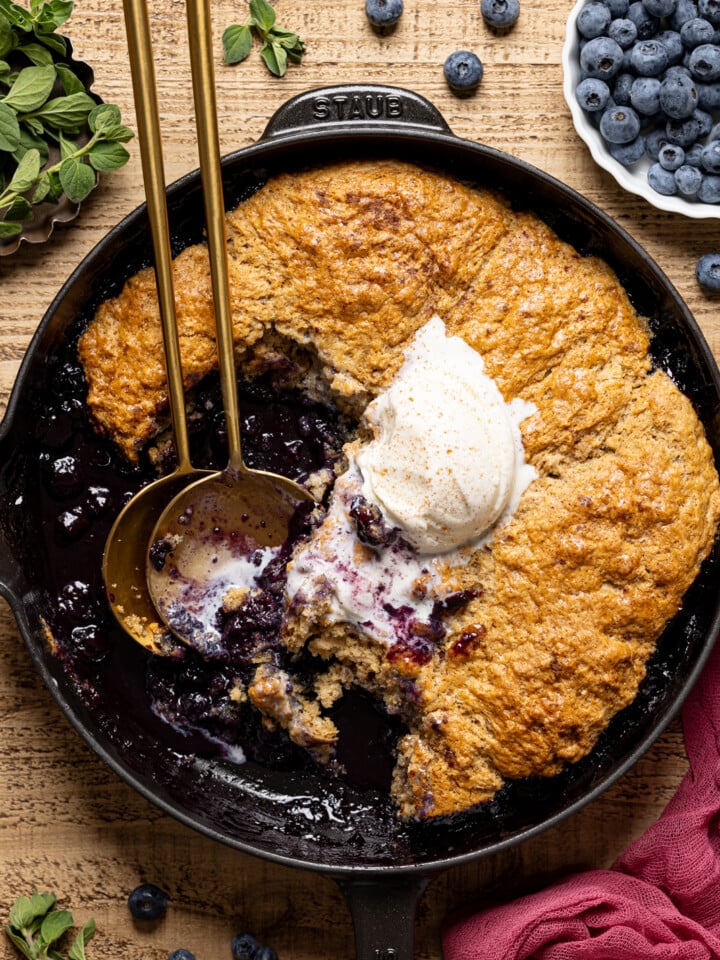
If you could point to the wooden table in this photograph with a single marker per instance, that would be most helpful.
(66, 822)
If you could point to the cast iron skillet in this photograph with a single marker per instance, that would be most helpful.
(301, 818)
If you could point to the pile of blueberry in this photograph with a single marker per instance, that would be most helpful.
(651, 83)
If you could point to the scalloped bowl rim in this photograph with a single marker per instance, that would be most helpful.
(632, 181)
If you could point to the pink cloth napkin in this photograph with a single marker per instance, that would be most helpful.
(660, 900)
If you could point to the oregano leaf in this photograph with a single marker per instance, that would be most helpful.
(275, 58)
(108, 156)
(55, 924)
(263, 14)
(77, 179)
(9, 129)
(77, 950)
(70, 81)
(68, 113)
(26, 172)
(237, 43)
(31, 89)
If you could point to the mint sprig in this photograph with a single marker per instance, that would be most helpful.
(44, 104)
(36, 928)
(279, 46)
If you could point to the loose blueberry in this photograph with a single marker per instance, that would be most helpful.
(671, 157)
(628, 154)
(500, 14)
(645, 95)
(244, 947)
(593, 20)
(147, 902)
(688, 180)
(709, 189)
(601, 58)
(619, 125)
(463, 71)
(660, 8)
(181, 954)
(592, 94)
(383, 13)
(649, 58)
(707, 271)
(704, 62)
(623, 32)
(661, 180)
(696, 32)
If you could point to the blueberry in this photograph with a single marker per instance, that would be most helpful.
(645, 95)
(671, 157)
(147, 902)
(704, 63)
(711, 157)
(623, 32)
(709, 189)
(705, 123)
(695, 32)
(649, 58)
(673, 44)
(383, 13)
(684, 11)
(592, 95)
(181, 954)
(708, 95)
(244, 947)
(661, 180)
(463, 71)
(500, 14)
(601, 58)
(266, 953)
(693, 155)
(593, 20)
(688, 180)
(647, 25)
(710, 9)
(628, 154)
(678, 96)
(707, 271)
(660, 8)
(683, 132)
(622, 85)
(617, 8)
(654, 142)
(619, 125)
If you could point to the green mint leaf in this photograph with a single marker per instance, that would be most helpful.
(19, 209)
(70, 81)
(237, 43)
(263, 14)
(36, 53)
(69, 113)
(275, 58)
(55, 925)
(77, 179)
(108, 156)
(26, 173)
(31, 89)
(77, 950)
(42, 189)
(12, 230)
(9, 129)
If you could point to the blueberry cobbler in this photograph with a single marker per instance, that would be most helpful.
(510, 501)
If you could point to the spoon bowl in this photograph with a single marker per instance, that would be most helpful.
(220, 533)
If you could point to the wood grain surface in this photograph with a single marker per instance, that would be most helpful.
(66, 822)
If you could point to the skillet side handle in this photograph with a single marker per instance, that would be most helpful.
(383, 913)
(349, 107)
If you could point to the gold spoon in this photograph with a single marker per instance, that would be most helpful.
(125, 555)
(220, 532)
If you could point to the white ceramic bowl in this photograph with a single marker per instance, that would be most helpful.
(633, 179)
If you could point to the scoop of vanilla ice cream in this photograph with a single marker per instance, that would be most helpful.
(446, 459)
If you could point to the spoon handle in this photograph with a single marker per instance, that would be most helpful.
(148, 124)
(201, 60)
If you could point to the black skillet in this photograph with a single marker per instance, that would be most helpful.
(298, 817)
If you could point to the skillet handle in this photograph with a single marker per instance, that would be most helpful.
(349, 107)
(383, 913)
